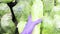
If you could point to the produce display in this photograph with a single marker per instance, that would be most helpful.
(33, 17)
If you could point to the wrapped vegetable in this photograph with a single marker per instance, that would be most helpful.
(22, 14)
(48, 5)
(4, 9)
(56, 11)
(52, 25)
(48, 25)
(48, 20)
(22, 9)
(18, 10)
(8, 27)
(37, 12)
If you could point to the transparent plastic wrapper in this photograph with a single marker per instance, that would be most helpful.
(51, 23)
(4, 9)
(56, 11)
(37, 13)
(48, 25)
(21, 11)
(6, 23)
(48, 4)
(48, 19)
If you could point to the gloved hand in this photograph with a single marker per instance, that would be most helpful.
(30, 25)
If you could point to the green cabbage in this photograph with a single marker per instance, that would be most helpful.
(5, 1)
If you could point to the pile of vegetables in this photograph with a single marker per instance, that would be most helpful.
(47, 10)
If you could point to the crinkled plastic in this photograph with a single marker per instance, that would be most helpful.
(7, 25)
